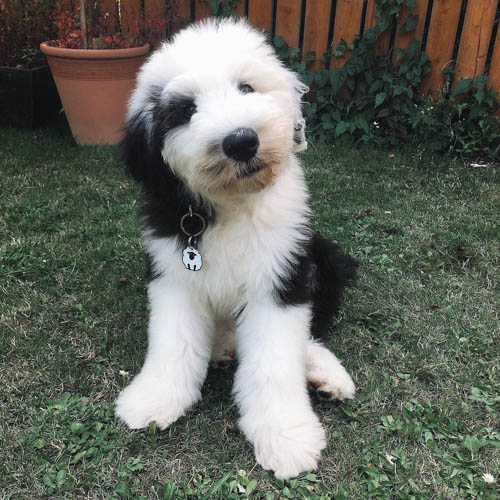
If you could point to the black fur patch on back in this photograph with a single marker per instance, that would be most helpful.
(165, 198)
(318, 277)
(335, 270)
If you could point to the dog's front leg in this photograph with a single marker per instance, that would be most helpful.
(176, 363)
(271, 390)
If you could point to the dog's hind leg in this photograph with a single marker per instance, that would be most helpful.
(325, 373)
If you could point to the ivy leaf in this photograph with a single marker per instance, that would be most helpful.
(279, 42)
(361, 123)
(214, 5)
(463, 86)
(337, 78)
(341, 128)
(321, 77)
(384, 113)
(380, 98)
(476, 111)
(410, 24)
(377, 85)
(308, 77)
(481, 82)
(398, 90)
(413, 47)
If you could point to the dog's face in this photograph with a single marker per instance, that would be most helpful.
(220, 109)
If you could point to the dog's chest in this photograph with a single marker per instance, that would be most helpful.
(242, 258)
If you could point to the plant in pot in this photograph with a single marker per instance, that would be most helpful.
(28, 95)
(94, 65)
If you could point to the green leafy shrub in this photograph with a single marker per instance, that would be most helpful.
(374, 98)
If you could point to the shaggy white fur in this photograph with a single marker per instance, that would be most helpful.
(261, 223)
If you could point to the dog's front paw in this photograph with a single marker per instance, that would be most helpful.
(290, 449)
(149, 399)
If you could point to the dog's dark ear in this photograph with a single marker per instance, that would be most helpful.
(135, 148)
(141, 146)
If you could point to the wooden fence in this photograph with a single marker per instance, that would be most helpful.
(460, 32)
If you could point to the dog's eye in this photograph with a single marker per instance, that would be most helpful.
(189, 110)
(244, 88)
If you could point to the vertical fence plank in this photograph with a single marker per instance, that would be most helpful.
(403, 39)
(183, 9)
(475, 39)
(154, 9)
(109, 15)
(260, 14)
(316, 29)
(441, 40)
(202, 10)
(382, 44)
(347, 26)
(288, 21)
(130, 14)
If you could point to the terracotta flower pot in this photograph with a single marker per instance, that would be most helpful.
(94, 86)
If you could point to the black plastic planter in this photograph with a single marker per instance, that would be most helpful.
(28, 97)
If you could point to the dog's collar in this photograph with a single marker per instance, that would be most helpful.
(191, 258)
(189, 231)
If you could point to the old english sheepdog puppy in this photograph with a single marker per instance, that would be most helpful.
(236, 270)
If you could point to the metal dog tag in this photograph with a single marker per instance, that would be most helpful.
(192, 259)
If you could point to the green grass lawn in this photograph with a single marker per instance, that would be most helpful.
(419, 333)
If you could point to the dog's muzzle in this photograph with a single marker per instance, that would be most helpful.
(241, 145)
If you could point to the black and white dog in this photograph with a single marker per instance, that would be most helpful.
(236, 269)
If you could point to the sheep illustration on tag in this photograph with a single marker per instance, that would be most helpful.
(192, 259)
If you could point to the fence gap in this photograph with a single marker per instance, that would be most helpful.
(273, 18)
(491, 46)
(428, 15)
(363, 19)
(331, 26)
(301, 27)
(475, 38)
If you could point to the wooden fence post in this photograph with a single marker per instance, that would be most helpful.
(260, 14)
(441, 40)
(316, 29)
(288, 14)
(347, 26)
(475, 39)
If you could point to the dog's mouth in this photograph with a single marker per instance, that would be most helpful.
(229, 174)
(251, 168)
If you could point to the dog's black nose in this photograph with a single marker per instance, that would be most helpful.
(241, 145)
